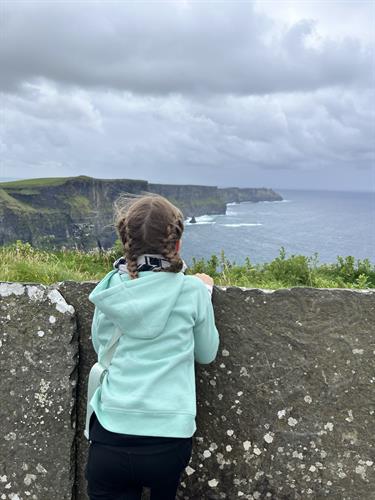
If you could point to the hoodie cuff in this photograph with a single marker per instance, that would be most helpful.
(209, 288)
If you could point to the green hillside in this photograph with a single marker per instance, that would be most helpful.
(21, 262)
(41, 182)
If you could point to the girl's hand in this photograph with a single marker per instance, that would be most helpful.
(205, 278)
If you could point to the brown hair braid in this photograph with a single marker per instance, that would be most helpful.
(149, 224)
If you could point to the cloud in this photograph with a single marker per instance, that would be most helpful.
(163, 137)
(45, 102)
(171, 47)
(185, 92)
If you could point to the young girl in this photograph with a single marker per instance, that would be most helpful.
(144, 412)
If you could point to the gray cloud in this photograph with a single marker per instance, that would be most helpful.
(195, 93)
(124, 135)
(171, 47)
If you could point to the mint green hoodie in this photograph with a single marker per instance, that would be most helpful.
(167, 320)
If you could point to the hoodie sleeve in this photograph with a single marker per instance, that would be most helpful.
(206, 336)
(94, 330)
(101, 330)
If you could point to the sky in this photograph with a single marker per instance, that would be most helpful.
(274, 94)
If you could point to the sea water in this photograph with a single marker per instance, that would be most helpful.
(330, 223)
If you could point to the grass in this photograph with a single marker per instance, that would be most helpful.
(40, 182)
(79, 204)
(23, 263)
(292, 271)
(54, 181)
(9, 202)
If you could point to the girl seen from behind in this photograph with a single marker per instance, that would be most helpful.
(144, 412)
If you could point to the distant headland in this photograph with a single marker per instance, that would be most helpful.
(77, 212)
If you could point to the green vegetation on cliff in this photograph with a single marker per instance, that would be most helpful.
(40, 182)
(22, 262)
(79, 205)
(10, 203)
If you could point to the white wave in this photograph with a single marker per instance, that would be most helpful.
(198, 223)
(242, 224)
(202, 219)
(232, 203)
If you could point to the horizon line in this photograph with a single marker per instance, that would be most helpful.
(12, 179)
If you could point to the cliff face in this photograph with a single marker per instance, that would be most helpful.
(192, 199)
(234, 194)
(77, 212)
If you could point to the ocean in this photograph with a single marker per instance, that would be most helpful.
(330, 223)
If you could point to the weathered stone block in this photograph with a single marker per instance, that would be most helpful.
(285, 412)
(38, 347)
(77, 294)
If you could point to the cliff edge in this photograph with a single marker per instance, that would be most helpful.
(77, 212)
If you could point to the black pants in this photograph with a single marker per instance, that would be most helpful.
(119, 471)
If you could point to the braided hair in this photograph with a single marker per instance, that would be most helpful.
(149, 224)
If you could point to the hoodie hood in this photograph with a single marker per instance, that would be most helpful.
(140, 307)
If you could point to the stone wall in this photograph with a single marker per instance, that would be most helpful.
(285, 412)
(38, 349)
